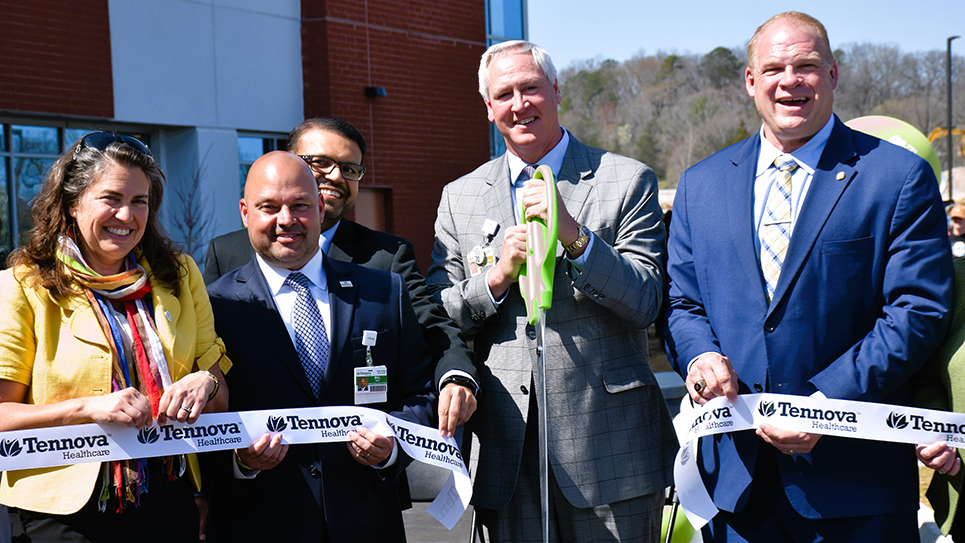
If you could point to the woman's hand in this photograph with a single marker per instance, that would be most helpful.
(185, 400)
(939, 457)
(128, 407)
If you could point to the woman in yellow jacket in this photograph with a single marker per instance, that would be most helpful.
(104, 321)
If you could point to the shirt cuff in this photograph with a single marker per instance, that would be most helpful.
(580, 262)
(458, 373)
(390, 460)
(490, 292)
(241, 473)
(691, 363)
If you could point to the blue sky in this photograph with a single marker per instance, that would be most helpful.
(617, 29)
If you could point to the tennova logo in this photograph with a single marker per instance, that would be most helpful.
(10, 448)
(276, 424)
(147, 435)
(786, 409)
(896, 421)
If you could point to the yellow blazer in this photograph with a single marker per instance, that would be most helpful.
(57, 348)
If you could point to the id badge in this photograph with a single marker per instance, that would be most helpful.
(481, 260)
(371, 385)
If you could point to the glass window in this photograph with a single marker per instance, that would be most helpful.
(250, 148)
(28, 176)
(71, 135)
(5, 225)
(34, 139)
(505, 20)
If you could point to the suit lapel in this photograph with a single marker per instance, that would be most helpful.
(576, 168)
(260, 306)
(738, 192)
(498, 201)
(344, 243)
(342, 300)
(822, 196)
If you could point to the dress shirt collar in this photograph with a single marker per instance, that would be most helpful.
(325, 240)
(807, 156)
(276, 276)
(553, 159)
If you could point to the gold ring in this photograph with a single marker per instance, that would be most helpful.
(790, 452)
(700, 385)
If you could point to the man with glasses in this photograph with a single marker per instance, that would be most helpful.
(334, 149)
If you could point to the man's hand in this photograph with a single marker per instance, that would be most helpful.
(369, 448)
(786, 441)
(511, 258)
(263, 454)
(939, 457)
(711, 375)
(456, 405)
(534, 205)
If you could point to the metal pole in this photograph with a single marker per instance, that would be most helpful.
(951, 157)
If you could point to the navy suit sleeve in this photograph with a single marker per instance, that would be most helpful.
(916, 293)
(685, 315)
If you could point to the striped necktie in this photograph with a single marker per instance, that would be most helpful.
(311, 338)
(776, 225)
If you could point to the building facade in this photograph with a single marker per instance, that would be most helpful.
(211, 85)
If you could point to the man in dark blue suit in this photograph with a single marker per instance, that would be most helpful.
(831, 276)
(319, 492)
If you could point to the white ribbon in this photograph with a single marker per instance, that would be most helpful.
(80, 443)
(842, 418)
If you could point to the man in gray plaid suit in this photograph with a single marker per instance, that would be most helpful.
(611, 442)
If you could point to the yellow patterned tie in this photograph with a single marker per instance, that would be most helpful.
(776, 224)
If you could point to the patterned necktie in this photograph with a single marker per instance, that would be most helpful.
(776, 226)
(311, 338)
(528, 172)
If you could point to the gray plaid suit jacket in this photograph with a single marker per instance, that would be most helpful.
(610, 434)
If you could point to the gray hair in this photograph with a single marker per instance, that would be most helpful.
(540, 57)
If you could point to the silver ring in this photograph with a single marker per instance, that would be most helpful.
(185, 408)
(700, 385)
(366, 455)
(790, 452)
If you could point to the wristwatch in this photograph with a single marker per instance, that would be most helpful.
(580, 241)
(460, 380)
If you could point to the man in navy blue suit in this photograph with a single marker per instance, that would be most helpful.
(268, 312)
(831, 276)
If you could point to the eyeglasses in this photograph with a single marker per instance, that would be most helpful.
(103, 140)
(324, 165)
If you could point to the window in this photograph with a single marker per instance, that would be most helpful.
(250, 148)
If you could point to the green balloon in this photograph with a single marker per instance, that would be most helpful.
(901, 134)
(683, 532)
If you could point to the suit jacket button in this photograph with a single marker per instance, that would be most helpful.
(522, 388)
(769, 327)
(758, 387)
(314, 472)
(530, 331)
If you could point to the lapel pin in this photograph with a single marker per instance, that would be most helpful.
(346, 284)
(840, 176)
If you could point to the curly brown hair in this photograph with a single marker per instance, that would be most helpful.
(70, 176)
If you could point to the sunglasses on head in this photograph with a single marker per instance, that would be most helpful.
(324, 165)
(103, 140)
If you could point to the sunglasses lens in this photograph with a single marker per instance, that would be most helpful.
(103, 140)
(136, 144)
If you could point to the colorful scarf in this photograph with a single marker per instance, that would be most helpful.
(147, 370)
